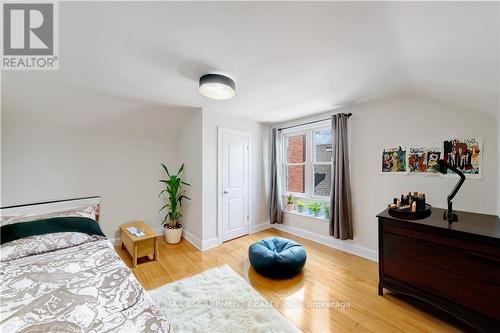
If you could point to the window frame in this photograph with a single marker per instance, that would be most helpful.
(310, 159)
(314, 162)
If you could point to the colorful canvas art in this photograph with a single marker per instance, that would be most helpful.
(417, 159)
(394, 160)
(433, 156)
(423, 160)
(464, 154)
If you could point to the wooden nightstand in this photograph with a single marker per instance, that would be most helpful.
(146, 245)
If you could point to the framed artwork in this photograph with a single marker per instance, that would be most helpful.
(417, 160)
(394, 160)
(423, 160)
(465, 154)
(433, 156)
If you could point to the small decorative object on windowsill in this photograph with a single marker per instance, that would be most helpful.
(314, 208)
(300, 206)
(289, 205)
(326, 210)
(411, 206)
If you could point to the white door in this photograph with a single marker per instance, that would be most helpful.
(234, 174)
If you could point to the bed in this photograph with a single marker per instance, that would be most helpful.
(59, 273)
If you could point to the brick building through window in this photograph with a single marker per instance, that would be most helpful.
(296, 153)
(308, 156)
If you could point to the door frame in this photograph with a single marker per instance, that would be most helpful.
(220, 132)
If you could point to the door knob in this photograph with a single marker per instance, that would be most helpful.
(226, 191)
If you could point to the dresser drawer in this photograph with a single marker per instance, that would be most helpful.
(456, 260)
(475, 294)
(466, 242)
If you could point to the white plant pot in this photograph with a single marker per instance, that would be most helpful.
(173, 236)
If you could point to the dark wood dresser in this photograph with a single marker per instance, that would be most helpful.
(455, 268)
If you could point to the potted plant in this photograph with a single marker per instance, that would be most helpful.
(326, 209)
(314, 208)
(300, 206)
(175, 194)
(289, 206)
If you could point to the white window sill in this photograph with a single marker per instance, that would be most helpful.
(319, 218)
(306, 197)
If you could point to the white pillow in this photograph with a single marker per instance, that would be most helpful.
(91, 211)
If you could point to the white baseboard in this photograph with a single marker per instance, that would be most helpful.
(330, 241)
(198, 243)
(209, 243)
(345, 246)
(260, 227)
(192, 239)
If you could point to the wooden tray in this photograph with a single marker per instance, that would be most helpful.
(407, 214)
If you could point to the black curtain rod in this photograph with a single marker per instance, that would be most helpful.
(310, 122)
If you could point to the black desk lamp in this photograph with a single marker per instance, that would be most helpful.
(443, 167)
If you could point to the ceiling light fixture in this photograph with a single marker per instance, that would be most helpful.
(216, 86)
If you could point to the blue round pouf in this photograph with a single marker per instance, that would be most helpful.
(277, 257)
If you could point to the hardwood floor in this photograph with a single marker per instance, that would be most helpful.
(336, 292)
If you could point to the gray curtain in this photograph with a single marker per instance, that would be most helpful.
(276, 203)
(340, 197)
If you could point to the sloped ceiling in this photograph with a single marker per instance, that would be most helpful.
(288, 59)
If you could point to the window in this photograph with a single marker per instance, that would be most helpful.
(307, 163)
(322, 143)
(295, 163)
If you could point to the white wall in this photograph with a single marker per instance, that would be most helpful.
(259, 177)
(116, 158)
(42, 161)
(190, 153)
(411, 120)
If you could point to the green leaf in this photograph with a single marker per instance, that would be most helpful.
(180, 170)
(165, 206)
(166, 169)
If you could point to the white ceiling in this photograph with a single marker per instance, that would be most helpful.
(288, 59)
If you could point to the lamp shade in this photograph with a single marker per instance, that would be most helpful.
(216, 86)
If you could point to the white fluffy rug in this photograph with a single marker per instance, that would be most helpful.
(218, 300)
